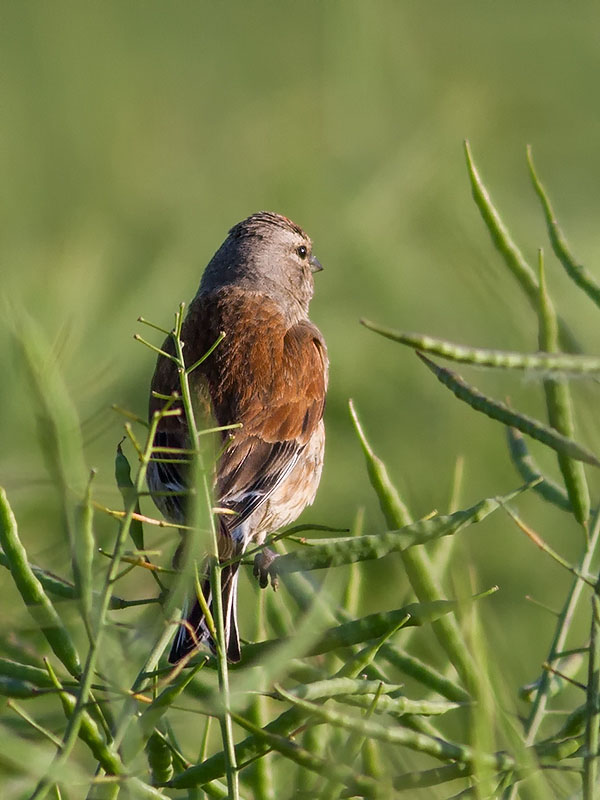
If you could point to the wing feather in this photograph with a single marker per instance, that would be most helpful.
(267, 375)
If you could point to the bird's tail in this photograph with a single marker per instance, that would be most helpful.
(195, 630)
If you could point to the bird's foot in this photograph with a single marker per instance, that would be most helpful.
(264, 568)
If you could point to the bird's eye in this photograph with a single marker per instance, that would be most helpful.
(302, 251)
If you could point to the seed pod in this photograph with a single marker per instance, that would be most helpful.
(160, 758)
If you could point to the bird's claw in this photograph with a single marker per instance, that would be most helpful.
(265, 569)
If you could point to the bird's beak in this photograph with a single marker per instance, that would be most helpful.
(315, 264)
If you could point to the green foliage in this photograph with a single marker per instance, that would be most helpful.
(338, 673)
(134, 135)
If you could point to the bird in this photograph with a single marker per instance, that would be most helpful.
(269, 374)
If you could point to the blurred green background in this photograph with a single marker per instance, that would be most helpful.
(134, 134)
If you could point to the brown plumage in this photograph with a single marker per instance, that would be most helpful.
(270, 375)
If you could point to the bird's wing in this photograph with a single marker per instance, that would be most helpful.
(268, 376)
(167, 475)
(279, 417)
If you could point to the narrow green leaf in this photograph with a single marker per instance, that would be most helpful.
(501, 412)
(543, 363)
(58, 423)
(61, 436)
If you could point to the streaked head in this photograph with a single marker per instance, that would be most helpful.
(267, 253)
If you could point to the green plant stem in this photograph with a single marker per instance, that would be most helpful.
(215, 571)
(362, 785)
(139, 684)
(251, 747)
(538, 708)
(260, 775)
(417, 561)
(223, 674)
(590, 760)
(558, 405)
(560, 635)
(436, 747)
(74, 723)
(32, 591)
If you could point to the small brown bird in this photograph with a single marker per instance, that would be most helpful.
(269, 374)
